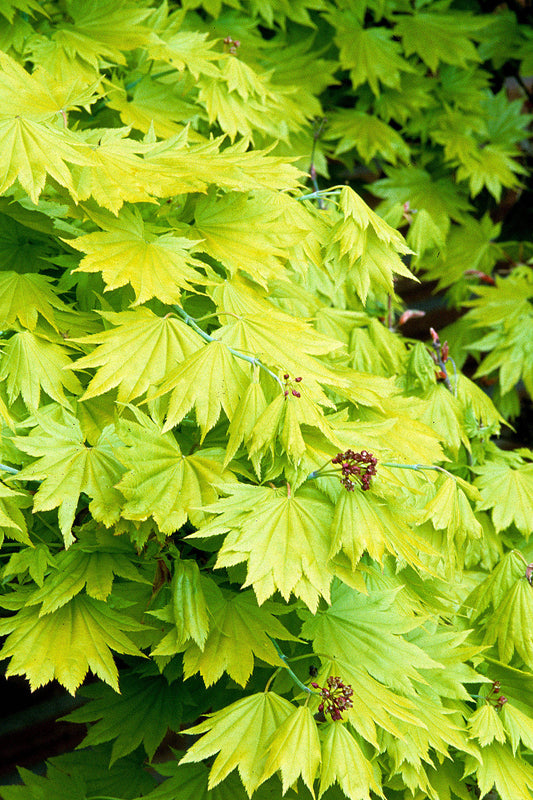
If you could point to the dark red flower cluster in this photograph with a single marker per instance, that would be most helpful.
(294, 392)
(356, 465)
(495, 698)
(336, 697)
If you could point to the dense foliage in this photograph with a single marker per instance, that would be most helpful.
(232, 490)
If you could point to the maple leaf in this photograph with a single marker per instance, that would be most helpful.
(136, 354)
(99, 30)
(366, 631)
(234, 618)
(486, 726)
(91, 564)
(440, 37)
(129, 252)
(12, 521)
(344, 762)
(31, 364)
(361, 524)
(514, 501)
(31, 151)
(227, 732)
(24, 297)
(499, 769)
(68, 642)
(297, 733)
(368, 135)
(210, 380)
(35, 560)
(166, 484)
(187, 611)
(67, 467)
(369, 54)
(291, 553)
(509, 626)
(141, 714)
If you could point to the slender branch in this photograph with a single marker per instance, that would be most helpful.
(293, 675)
(319, 193)
(11, 470)
(206, 337)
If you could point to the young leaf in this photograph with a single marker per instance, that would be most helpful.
(67, 467)
(298, 734)
(137, 354)
(343, 762)
(141, 714)
(486, 726)
(291, 552)
(210, 380)
(187, 610)
(512, 778)
(234, 618)
(68, 642)
(514, 501)
(240, 734)
(126, 251)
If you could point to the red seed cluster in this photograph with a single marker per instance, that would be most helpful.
(337, 697)
(288, 388)
(361, 466)
(495, 698)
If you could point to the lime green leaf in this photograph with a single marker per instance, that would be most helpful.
(67, 467)
(239, 734)
(486, 726)
(499, 769)
(34, 559)
(126, 251)
(91, 563)
(450, 509)
(513, 503)
(366, 630)
(291, 551)
(30, 364)
(99, 30)
(187, 610)
(244, 233)
(31, 151)
(65, 644)
(161, 481)
(509, 624)
(249, 410)
(136, 354)
(369, 53)
(141, 714)
(294, 750)
(362, 523)
(367, 247)
(12, 521)
(518, 726)
(210, 380)
(343, 762)
(191, 780)
(23, 297)
(368, 135)
(439, 37)
(239, 629)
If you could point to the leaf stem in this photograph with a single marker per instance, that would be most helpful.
(293, 675)
(11, 470)
(192, 323)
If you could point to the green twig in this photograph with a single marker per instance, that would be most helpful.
(293, 675)
(206, 337)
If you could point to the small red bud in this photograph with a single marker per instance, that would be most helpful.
(295, 393)
(411, 313)
(445, 352)
(297, 380)
(286, 376)
(434, 336)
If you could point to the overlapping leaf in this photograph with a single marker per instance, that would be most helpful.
(282, 536)
(67, 643)
(234, 618)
